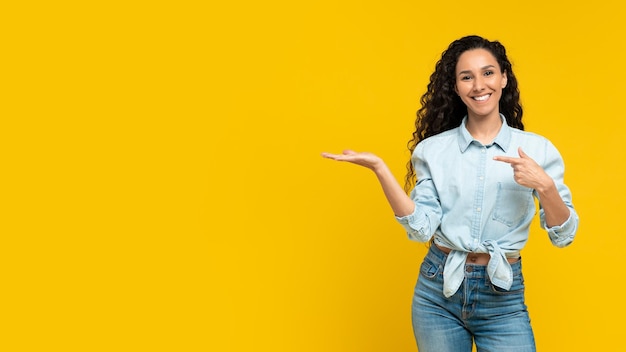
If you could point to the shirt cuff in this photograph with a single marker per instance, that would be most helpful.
(415, 225)
(562, 235)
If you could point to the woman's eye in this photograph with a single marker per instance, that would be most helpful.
(465, 78)
(488, 73)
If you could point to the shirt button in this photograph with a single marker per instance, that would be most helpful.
(481, 178)
(477, 209)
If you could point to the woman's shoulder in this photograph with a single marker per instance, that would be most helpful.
(442, 137)
(438, 141)
(529, 136)
(534, 143)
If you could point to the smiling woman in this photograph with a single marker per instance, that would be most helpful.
(470, 288)
(480, 82)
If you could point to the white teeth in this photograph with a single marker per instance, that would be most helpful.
(482, 98)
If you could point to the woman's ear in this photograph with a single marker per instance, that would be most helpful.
(504, 79)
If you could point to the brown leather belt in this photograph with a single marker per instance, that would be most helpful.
(475, 258)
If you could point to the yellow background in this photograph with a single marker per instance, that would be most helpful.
(163, 189)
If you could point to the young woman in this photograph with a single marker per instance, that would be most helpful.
(474, 172)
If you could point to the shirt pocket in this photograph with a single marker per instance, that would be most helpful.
(512, 203)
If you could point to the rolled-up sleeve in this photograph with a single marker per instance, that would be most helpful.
(560, 235)
(426, 217)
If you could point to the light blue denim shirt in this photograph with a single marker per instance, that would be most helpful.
(470, 202)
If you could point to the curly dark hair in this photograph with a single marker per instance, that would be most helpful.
(442, 109)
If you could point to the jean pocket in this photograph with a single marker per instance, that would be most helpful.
(516, 288)
(513, 203)
(429, 270)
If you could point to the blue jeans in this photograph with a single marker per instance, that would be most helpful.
(479, 312)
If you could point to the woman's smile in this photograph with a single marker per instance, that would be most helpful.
(482, 97)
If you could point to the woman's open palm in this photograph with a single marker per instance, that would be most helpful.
(369, 160)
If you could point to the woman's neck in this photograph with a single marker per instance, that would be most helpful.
(484, 128)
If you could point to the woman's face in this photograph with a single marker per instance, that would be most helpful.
(479, 83)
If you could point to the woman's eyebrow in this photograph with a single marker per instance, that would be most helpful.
(482, 68)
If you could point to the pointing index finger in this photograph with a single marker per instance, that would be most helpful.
(506, 159)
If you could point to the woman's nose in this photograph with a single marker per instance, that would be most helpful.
(479, 84)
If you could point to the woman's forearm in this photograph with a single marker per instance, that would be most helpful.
(400, 202)
(555, 210)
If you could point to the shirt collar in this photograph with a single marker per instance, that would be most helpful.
(503, 139)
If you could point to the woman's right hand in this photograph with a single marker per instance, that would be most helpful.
(400, 202)
(365, 159)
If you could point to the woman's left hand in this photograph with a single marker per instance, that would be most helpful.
(527, 172)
